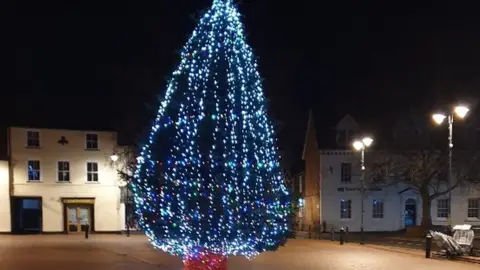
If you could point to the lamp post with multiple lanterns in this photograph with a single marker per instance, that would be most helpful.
(362, 145)
(460, 112)
(124, 184)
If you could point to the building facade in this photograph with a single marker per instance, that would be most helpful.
(337, 202)
(60, 181)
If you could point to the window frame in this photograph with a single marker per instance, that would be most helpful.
(348, 208)
(92, 172)
(27, 144)
(342, 172)
(443, 208)
(378, 205)
(471, 209)
(63, 171)
(39, 171)
(87, 141)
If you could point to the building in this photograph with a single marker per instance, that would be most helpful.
(333, 197)
(59, 181)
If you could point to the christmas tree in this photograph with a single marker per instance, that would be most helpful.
(208, 180)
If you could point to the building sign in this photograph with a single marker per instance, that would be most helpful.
(79, 201)
(359, 189)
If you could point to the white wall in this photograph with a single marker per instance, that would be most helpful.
(394, 201)
(105, 192)
(5, 222)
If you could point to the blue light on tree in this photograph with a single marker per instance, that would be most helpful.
(208, 176)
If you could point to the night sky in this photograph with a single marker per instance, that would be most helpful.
(103, 66)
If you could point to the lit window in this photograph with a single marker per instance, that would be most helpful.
(346, 209)
(377, 209)
(33, 170)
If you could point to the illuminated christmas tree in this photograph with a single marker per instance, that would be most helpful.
(208, 183)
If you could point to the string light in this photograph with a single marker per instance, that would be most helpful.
(208, 177)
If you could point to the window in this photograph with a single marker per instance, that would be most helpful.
(443, 208)
(92, 172)
(33, 138)
(33, 170)
(91, 141)
(346, 209)
(377, 210)
(63, 168)
(346, 173)
(473, 208)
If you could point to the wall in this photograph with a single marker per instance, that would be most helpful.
(105, 192)
(393, 197)
(5, 222)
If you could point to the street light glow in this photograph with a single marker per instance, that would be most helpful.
(114, 157)
(438, 118)
(461, 111)
(358, 145)
(367, 141)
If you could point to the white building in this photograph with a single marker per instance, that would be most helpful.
(333, 197)
(57, 181)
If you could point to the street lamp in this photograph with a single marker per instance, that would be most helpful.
(460, 111)
(114, 158)
(361, 145)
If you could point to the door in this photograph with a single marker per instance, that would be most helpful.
(78, 217)
(410, 213)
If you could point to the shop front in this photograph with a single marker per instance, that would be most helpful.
(79, 214)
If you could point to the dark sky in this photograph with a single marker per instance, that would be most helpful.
(96, 66)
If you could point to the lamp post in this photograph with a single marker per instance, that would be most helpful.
(114, 158)
(460, 111)
(361, 145)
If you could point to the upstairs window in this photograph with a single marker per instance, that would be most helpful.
(63, 171)
(33, 170)
(92, 172)
(346, 173)
(33, 138)
(91, 141)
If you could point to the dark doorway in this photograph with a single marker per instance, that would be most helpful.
(410, 213)
(26, 215)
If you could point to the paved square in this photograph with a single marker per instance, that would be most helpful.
(112, 252)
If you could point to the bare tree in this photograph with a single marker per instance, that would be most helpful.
(418, 159)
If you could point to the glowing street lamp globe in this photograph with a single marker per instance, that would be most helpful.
(367, 141)
(358, 145)
(461, 111)
(438, 118)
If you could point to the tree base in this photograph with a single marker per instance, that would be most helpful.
(205, 261)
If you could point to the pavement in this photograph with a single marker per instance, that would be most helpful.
(114, 252)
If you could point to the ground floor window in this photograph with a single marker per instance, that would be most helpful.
(473, 208)
(377, 209)
(346, 209)
(443, 208)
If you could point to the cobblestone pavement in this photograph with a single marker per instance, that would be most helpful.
(109, 252)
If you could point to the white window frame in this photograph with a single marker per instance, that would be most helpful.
(92, 172)
(471, 208)
(343, 174)
(378, 209)
(87, 141)
(63, 171)
(348, 209)
(39, 171)
(443, 208)
(28, 139)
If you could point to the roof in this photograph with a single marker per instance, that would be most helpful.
(326, 127)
